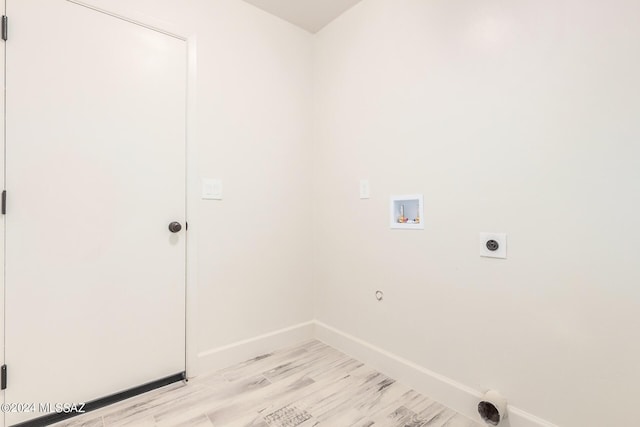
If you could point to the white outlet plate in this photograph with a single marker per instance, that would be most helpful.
(500, 238)
(212, 189)
(365, 189)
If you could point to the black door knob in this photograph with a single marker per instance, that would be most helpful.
(174, 227)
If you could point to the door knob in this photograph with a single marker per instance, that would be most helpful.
(174, 227)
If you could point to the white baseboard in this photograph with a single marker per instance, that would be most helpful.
(450, 393)
(222, 357)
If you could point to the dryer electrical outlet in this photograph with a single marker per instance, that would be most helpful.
(493, 245)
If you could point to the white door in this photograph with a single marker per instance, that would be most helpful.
(95, 173)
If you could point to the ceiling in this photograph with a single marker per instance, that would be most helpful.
(311, 15)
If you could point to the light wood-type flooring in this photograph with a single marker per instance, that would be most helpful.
(308, 385)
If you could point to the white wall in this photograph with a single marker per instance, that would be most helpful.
(253, 131)
(517, 117)
(513, 116)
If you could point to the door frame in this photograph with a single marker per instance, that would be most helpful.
(3, 105)
(192, 195)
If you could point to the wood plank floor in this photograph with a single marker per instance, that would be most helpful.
(308, 385)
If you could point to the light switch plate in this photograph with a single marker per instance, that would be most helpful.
(493, 245)
(211, 189)
(365, 189)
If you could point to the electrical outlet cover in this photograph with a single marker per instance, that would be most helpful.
(493, 245)
(365, 189)
(211, 189)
